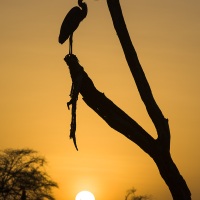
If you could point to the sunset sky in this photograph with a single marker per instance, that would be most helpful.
(35, 86)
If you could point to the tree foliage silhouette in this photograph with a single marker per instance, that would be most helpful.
(158, 149)
(130, 195)
(23, 176)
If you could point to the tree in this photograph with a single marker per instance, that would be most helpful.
(130, 195)
(158, 149)
(23, 176)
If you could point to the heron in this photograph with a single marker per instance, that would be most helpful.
(71, 23)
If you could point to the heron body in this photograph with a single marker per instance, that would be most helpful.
(71, 23)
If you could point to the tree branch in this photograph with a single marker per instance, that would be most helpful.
(158, 149)
(107, 110)
(144, 89)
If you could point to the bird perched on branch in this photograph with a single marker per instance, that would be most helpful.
(71, 23)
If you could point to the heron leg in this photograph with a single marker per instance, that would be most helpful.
(70, 43)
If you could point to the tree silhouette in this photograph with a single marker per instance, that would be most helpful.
(130, 195)
(158, 149)
(23, 176)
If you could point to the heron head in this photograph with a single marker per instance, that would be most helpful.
(83, 5)
(80, 3)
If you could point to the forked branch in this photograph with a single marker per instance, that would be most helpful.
(144, 89)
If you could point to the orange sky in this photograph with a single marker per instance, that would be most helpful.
(35, 86)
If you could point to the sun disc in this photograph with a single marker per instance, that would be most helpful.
(84, 195)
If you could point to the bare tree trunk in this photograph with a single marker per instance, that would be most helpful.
(161, 155)
(172, 177)
(121, 122)
(158, 149)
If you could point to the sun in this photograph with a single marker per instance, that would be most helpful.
(84, 195)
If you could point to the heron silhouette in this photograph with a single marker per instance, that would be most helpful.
(71, 23)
